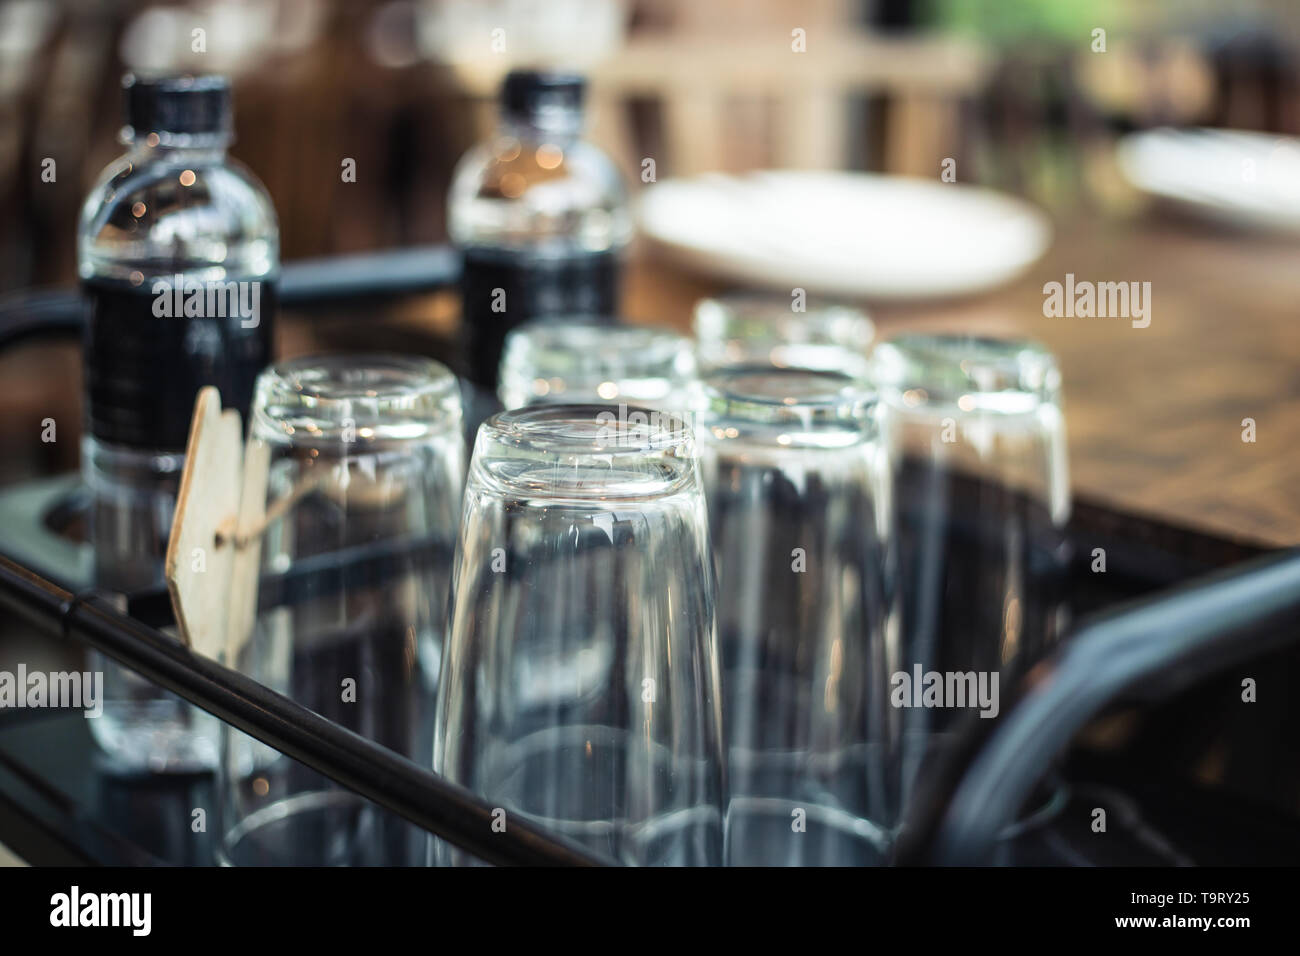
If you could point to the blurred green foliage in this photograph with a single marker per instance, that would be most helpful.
(1011, 20)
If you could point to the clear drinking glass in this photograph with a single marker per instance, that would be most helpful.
(978, 440)
(798, 496)
(739, 330)
(572, 362)
(580, 679)
(363, 499)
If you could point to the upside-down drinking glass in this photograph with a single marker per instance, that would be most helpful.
(978, 439)
(363, 495)
(580, 683)
(578, 361)
(797, 484)
(748, 329)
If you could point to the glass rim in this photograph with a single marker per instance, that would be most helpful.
(764, 394)
(576, 361)
(590, 346)
(335, 391)
(585, 452)
(588, 429)
(420, 376)
(914, 369)
(840, 324)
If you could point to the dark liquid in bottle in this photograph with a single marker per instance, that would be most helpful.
(530, 287)
(143, 369)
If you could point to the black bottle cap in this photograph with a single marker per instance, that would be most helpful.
(177, 105)
(544, 98)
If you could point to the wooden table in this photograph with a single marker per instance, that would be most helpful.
(1154, 415)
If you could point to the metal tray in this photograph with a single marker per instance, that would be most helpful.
(1190, 775)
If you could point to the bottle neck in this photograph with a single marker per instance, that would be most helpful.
(198, 150)
(559, 134)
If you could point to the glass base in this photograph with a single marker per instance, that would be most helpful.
(323, 828)
(764, 831)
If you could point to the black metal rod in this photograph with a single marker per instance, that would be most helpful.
(1160, 644)
(377, 773)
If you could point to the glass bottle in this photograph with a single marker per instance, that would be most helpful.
(178, 256)
(540, 217)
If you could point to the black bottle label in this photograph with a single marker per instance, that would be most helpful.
(150, 348)
(505, 288)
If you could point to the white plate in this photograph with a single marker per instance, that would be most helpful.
(1248, 179)
(850, 235)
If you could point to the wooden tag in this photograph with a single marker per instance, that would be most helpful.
(214, 547)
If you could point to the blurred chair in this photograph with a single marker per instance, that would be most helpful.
(731, 86)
